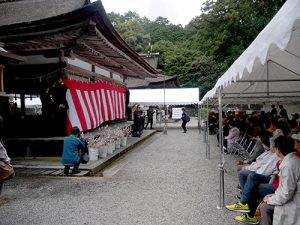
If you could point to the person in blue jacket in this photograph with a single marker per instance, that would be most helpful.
(73, 147)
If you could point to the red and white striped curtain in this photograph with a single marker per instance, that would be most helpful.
(91, 104)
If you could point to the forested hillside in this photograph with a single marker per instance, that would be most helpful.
(201, 51)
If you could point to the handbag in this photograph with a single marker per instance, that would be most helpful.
(6, 170)
(257, 211)
(84, 158)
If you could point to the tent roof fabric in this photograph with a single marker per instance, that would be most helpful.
(269, 69)
(169, 96)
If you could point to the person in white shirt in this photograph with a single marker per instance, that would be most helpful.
(265, 164)
(233, 136)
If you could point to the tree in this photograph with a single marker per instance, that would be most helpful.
(200, 52)
(134, 34)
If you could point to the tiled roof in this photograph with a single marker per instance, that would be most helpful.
(20, 11)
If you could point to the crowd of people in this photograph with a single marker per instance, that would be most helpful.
(269, 178)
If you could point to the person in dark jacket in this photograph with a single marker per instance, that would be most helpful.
(137, 122)
(184, 120)
(60, 106)
(72, 149)
(273, 111)
(150, 113)
(283, 112)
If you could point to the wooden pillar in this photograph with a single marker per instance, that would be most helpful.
(22, 101)
(1, 78)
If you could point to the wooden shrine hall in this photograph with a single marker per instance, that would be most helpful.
(69, 40)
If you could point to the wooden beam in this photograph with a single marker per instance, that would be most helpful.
(1, 78)
(112, 63)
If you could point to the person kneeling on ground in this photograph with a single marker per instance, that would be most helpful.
(73, 146)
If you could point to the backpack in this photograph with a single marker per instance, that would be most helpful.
(187, 119)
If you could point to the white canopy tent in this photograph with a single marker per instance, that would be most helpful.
(170, 96)
(269, 69)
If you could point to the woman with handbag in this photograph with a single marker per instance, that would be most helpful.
(6, 169)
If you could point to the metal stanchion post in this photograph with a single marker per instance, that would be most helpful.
(222, 160)
(207, 135)
(165, 120)
(165, 108)
(204, 132)
(200, 127)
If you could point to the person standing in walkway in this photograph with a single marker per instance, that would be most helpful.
(137, 122)
(184, 117)
(72, 149)
(150, 113)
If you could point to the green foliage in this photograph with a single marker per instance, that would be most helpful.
(202, 51)
(134, 34)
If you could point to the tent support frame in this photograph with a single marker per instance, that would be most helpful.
(207, 135)
(222, 160)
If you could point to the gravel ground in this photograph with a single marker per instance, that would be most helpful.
(165, 180)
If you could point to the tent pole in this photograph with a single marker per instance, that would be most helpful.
(222, 161)
(207, 135)
(268, 80)
(200, 107)
(204, 129)
(165, 108)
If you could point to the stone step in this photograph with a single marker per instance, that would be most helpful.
(48, 172)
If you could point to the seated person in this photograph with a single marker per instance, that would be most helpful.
(283, 207)
(262, 144)
(4, 158)
(234, 134)
(73, 146)
(265, 164)
(256, 187)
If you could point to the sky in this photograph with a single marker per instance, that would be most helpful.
(176, 11)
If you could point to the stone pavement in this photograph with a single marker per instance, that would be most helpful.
(52, 166)
(165, 180)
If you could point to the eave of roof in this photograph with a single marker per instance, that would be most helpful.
(16, 11)
(69, 30)
(12, 57)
